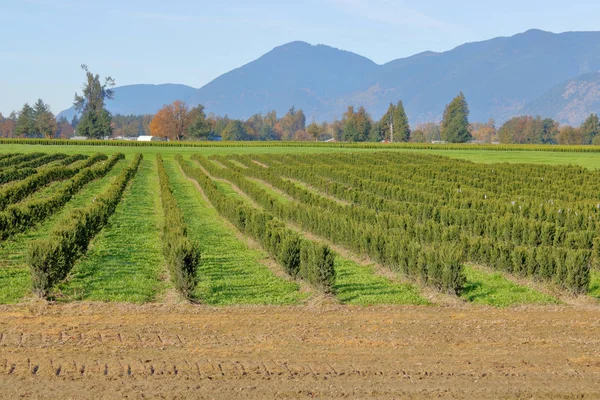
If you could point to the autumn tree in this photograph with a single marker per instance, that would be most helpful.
(95, 119)
(25, 124)
(292, 122)
(64, 128)
(7, 125)
(430, 130)
(394, 123)
(590, 129)
(569, 135)
(172, 121)
(484, 132)
(528, 130)
(455, 124)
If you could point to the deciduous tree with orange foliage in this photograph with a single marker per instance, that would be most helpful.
(172, 121)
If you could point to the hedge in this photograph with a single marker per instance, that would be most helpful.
(182, 256)
(51, 259)
(299, 257)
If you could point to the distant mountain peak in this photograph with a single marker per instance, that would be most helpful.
(499, 77)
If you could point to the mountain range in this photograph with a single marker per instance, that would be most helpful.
(535, 72)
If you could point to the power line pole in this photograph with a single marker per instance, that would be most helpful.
(391, 129)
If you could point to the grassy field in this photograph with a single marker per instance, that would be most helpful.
(125, 262)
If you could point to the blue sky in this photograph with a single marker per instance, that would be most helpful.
(192, 42)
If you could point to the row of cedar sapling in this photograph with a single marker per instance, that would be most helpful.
(52, 258)
(181, 255)
(438, 266)
(515, 242)
(23, 215)
(14, 192)
(300, 258)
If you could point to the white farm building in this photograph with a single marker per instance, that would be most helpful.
(148, 139)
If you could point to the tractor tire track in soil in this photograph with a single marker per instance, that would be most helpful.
(90, 351)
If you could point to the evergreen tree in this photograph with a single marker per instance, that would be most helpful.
(95, 124)
(234, 131)
(25, 121)
(376, 134)
(95, 119)
(356, 125)
(590, 129)
(455, 125)
(396, 121)
(199, 128)
(45, 123)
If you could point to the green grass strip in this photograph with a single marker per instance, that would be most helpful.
(594, 290)
(15, 278)
(360, 285)
(496, 290)
(125, 261)
(230, 272)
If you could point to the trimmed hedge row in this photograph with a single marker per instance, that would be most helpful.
(17, 191)
(182, 256)
(300, 258)
(43, 160)
(362, 145)
(19, 217)
(494, 238)
(360, 230)
(51, 259)
(18, 159)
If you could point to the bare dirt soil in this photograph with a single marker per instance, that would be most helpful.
(108, 351)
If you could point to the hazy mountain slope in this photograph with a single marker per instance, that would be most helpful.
(499, 77)
(570, 102)
(296, 74)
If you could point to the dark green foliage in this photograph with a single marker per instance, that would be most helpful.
(18, 217)
(395, 123)
(95, 120)
(402, 205)
(182, 256)
(455, 125)
(590, 129)
(51, 259)
(286, 245)
(289, 254)
(316, 265)
(95, 124)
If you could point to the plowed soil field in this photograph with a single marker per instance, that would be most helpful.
(104, 351)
